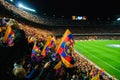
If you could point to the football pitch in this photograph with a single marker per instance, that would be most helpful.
(104, 53)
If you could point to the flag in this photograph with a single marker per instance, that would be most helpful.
(96, 77)
(31, 39)
(56, 57)
(0, 29)
(101, 72)
(59, 69)
(58, 65)
(64, 49)
(57, 43)
(9, 36)
(35, 55)
(51, 41)
(7, 33)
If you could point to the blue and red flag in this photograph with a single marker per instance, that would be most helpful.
(9, 36)
(35, 55)
(65, 47)
(50, 43)
(53, 41)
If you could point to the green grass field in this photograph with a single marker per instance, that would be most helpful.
(100, 53)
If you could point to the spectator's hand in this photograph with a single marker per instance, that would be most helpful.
(47, 65)
(29, 65)
(36, 66)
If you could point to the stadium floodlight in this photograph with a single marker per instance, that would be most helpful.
(26, 8)
(79, 18)
(118, 19)
(11, 0)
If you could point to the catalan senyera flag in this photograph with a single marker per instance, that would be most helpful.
(9, 36)
(64, 49)
(35, 55)
(49, 43)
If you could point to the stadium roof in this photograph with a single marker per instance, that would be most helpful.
(67, 8)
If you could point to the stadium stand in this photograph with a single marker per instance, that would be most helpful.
(18, 65)
(82, 70)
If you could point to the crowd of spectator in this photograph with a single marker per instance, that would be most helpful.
(88, 29)
(79, 34)
(29, 30)
(22, 13)
(16, 63)
(94, 37)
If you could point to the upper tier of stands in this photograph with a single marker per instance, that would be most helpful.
(53, 21)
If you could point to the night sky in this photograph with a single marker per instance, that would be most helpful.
(67, 8)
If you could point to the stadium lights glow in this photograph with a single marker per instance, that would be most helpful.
(11, 0)
(24, 7)
(79, 17)
(118, 19)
